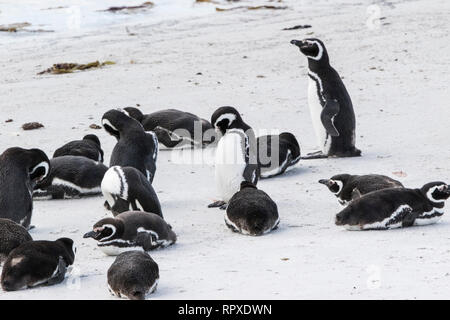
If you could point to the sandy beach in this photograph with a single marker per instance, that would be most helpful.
(396, 70)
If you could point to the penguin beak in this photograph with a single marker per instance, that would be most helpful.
(297, 43)
(326, 182)
(91, 234)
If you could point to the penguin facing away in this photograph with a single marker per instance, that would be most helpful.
(20, 171)
(135, 147)
(127, 189)
(329, 103)
(284, 156)
(88, 147)
(348, 187)
(251, 211)
(175, 128)
(395, 208)
(133, 275)
(71, 177)
(37, 263)
(12, 235)
(236, 154)
(132, 230)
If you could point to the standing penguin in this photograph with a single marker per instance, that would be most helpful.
(127, 189)
(348, 187)
(12, 235)
(36, 263)
(135, 147)
(174, 128)
(236, 154)
(130, 231)
(395, 208)
(71, 177)
(329, 103)
(89, 147)
(251, 211)
(20, 171)
(277, 154)
(134, 274)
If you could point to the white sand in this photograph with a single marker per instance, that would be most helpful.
(397, 76)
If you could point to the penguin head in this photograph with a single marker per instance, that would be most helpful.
(68, 245)
(116, 120)
(436, 192)
(336, 183)
(39, 165)
(312, 48)
(225, 118)
(134, 113)
(93, 138)
(106, 229)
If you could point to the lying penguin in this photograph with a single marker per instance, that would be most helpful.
(132, 230)
(36, 263)
(20, 171)
(395, 208)
(348, 187)
(135, 147)
(175, 128)
(89, 147)
(134, 275)
(71, 177)
(127, 189)
(12, 235)
(251, 211)
(277, 154)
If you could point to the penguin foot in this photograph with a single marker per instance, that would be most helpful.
(218, 204)
(30, 227)
(315, 155)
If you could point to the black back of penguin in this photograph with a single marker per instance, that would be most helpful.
(135, 147)
(20, 170)
(71, 176)
(134, 274)
(12, 235)
(337, 115)
(126, 188)
(251, 211)
(88, 147)
(37, 263)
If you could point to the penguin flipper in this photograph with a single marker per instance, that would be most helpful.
(330, 110)
(59, 274)
(356, 194)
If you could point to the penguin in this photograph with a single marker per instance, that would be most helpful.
(236, 154)
(348, 187)
(251, 211)
(132, 230)
(175, 128)
(395, 208)
(134, 275)
(37, 263)
(127, 189)
(329, 103)
(71, 177)
(135, 147)
(12, 235)
(20, 171)
(285, 156)
(89, 147)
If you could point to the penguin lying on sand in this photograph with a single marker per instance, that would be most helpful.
(12, 235)
(89, 147)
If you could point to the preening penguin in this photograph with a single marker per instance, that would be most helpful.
(134, 275)
(277, 154)
(135, 147)
(12, 235)
(127, 189)
(175, 128)
(251, 211)
(395, 208)
(329, 103)
(348, 187)
(36, 263)
(89, 147)
(71, 177)
(236, 154)
(20, 171)
(132, 230)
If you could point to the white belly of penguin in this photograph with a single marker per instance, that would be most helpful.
(315, 108)
(229, 165)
